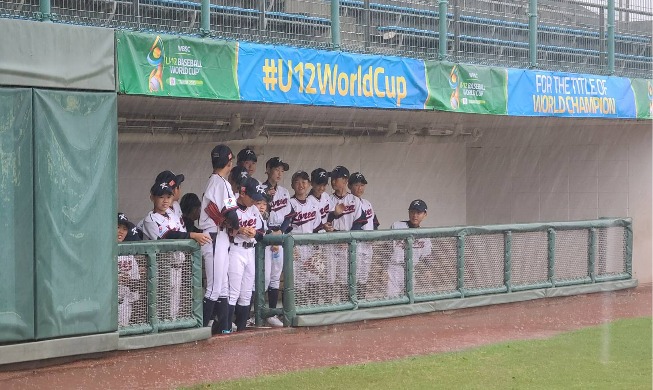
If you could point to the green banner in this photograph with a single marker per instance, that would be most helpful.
(643, 90)
(165, 65)
(466, 88)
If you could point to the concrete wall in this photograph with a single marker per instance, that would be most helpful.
(564, 174)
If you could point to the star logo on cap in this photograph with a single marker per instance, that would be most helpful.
(249, 151)
(122, 216)
(134, 231)
(416, 203)
(163, 185)
(261, 188)
(322, 174)
(243, 174)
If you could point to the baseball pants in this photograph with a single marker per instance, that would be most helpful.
(241, 275)
(216, 264)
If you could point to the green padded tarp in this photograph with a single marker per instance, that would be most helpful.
(75, 212)
(16, 250)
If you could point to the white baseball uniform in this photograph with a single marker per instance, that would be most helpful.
(306, 219)
(280, 208)
(323, 205)
(364, 249)
(338, 254)
(241, 257)
(219, 196)
(127, 268)
(396, 267)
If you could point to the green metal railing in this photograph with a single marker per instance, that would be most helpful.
(462, 262)
(153, 311)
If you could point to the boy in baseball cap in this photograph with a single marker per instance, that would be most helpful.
(174, 181)
(247, 159)
(128, 275)
(319, 181)
(421, 248)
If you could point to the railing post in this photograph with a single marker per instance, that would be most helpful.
(289, 310)
(629, 249)
(456, 28)
(552, 248)
(591, 255)
(507, 258)
(46, 10)
(351, 274)
(442, 42)
(335, 24)
(610, 37)
(366, 20)
(460, 274)
(259, 283)
(198, 291)
(410, 270)
(205, 28)
(262, 20)
(152, 288)
(532, 33)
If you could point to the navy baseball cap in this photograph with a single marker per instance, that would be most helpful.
(253, 189)
(339, 171)
(418, 205)
(122, 220)
(220, 155)
(161, 188)
(320, 176)
(357, 177)
(170, 177)
(299, 175)
(238, 174)
(246, 154)
(276, 162)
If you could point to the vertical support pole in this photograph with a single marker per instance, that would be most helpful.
(507, 258)
(629, 248)
(602, 36)
(259, 282)
(46, 10)
(137, 13)
(205, 28)
(335, 24)
(289, 311)
(532, 34)
(591, 254)
(351, 274)
(442, 44)
(152, 287)
(366, 20)
(456, 28)
(460, 277)
(198, 292)
(610, 37)
(410, 270)
(552, 249)
(262, 20)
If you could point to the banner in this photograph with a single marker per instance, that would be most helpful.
(278, 74)
(165, 65)
(643, 90)
(532, 93)
(466, 88)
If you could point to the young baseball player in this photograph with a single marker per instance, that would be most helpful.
(241, 252)
(357, 183)
(247, 159)
(278, 223)
(216, 215)
(190, 211)
(421, 248)
(163, 223)
(236, 177)
(347, 215)
(128, 276)
(174, 181)
(306, 219)
(319, 181)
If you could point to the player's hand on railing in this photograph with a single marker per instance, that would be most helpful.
(328, 227)
(201, 238)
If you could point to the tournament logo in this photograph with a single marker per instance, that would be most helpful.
(650, 96)
(454, 82)
(155, 58)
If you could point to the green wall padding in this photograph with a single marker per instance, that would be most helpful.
(16, 249)
(75, 212)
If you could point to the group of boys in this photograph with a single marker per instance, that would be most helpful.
(237, 211)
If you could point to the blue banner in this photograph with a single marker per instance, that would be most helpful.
(533, 93)
(277, 74)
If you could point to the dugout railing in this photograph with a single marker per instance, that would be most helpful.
(159, 286)
(484, 264)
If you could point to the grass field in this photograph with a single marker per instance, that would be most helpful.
(612, 356)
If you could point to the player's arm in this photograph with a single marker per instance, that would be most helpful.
(287, 221)
(151, 228)
(375, 222)
(361, 220)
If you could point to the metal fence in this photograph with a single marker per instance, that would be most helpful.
(350, 270)
(159, 286)
(564, 35)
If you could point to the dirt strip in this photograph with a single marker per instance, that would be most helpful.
(269, 351)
